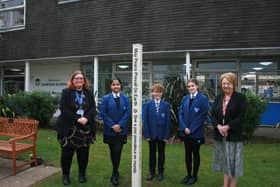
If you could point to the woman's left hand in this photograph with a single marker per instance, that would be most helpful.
(83, 120)
(225, 129)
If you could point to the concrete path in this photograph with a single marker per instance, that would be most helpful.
(270, 132)
(25, 177)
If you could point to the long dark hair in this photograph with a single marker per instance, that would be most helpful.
(116, 79)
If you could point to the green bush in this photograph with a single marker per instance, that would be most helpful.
(35, 105)
(255, 107)
(175, 89)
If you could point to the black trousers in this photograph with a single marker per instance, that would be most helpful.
(67, 156)
(153, 144)
(192, 156)
(115, 153)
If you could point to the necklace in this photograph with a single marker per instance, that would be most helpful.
(225, 103)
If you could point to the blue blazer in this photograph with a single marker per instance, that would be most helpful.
(112, 115)
(193, 117)
(156, 124)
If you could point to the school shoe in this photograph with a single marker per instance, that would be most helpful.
(160, 176)
(192, 180)
(185, 179)
(150, 177)
(82, 179)
(115, 180)
(66, 180)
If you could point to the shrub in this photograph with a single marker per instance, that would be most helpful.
(252, 118)
(35, 105)
(175, 89)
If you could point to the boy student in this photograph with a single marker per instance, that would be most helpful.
(156, 127)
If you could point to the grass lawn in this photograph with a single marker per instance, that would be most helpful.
(261, 165)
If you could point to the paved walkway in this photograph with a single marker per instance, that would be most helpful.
(270, 132)
(25, 177)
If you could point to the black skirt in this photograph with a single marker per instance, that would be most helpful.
(187, 139)
(115, 139)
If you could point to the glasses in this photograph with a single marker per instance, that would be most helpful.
(79, 78)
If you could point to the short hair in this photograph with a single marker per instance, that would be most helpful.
(157, 87)
(70, 81)
(231, 77)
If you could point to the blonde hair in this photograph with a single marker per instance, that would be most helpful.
(70, 82)
(158, 87)
(231, 77)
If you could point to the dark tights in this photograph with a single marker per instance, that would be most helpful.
(67, 156)
(115, 153)
(192, 157)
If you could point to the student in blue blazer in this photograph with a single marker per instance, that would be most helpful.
(115, 112)
(192, 114)
(156, 124)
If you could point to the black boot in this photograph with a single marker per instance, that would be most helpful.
(66, 180)
(82, 178)
(115, 179)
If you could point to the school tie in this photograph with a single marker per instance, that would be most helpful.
(117, 101)
(157, 106)
(192, 96)
(191, 100)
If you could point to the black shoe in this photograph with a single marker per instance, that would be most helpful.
(115, 180)
(82, 179)
(185, 179)
(160, 176)
(191, 181)
(66, 180)
(150, 177)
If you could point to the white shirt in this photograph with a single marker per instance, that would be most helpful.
(116, 95)
(194, 95)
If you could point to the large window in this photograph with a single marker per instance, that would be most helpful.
(257, 76)
(208, 73)
(261, 77)
(12, 15)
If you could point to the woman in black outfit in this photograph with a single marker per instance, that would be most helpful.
(228, 119)
(76, 125)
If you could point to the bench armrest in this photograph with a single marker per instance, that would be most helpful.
(12, 140)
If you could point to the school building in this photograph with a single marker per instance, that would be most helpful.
(43, 41)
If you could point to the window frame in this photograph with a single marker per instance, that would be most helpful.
(60, 2)
(10, 9)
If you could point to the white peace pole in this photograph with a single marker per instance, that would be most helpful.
(188, 66)
(137, 57)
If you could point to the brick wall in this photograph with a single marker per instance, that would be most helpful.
(106, 26)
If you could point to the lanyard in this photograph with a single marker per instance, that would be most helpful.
(79, 98)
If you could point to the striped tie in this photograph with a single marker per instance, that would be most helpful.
(157, 106)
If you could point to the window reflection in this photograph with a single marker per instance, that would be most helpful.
(12, 15)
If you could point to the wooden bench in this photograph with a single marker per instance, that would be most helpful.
(21, 135)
